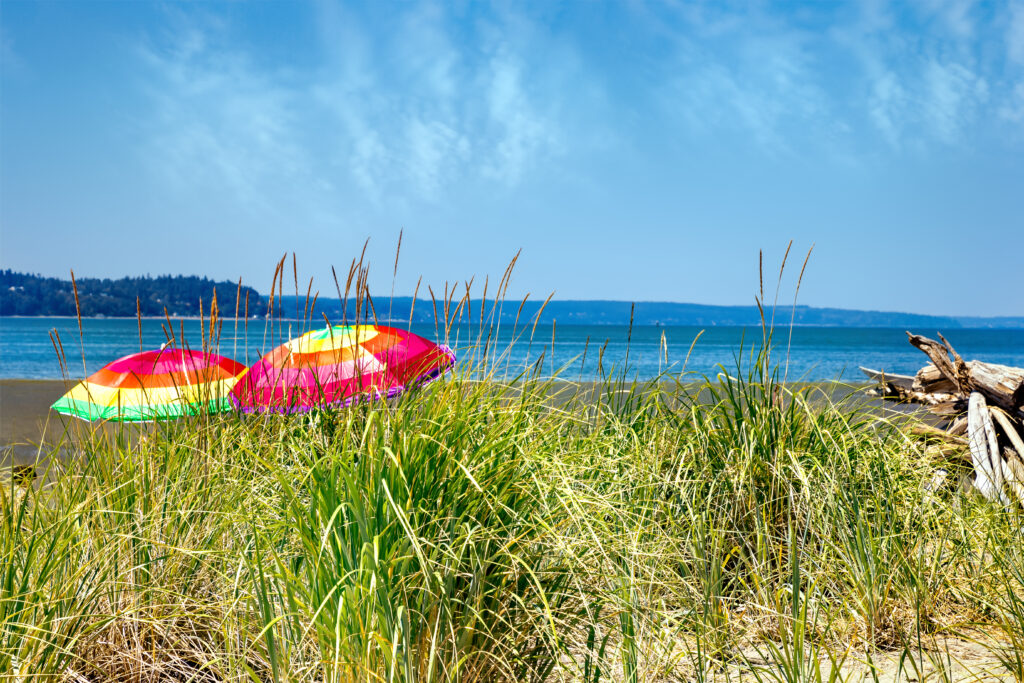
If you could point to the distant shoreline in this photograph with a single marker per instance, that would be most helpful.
(144, 317)
(32, 296)
(384, 321)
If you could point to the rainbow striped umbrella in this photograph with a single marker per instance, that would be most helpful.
(154, 385)
(338, 365)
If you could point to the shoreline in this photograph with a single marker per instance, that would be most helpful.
(383, 321)
(190, 318)
(27, 424)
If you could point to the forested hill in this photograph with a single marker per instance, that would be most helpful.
(568, 312)
(32, 295)
(23, 294)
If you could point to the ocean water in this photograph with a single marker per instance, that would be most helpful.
(814, 353)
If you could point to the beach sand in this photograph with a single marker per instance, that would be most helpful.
(26, 420)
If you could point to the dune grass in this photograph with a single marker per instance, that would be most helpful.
(493, 527)
(481, 530)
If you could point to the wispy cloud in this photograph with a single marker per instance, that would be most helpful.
(952, 96)
(409, 114)
(953, 16)
(216, 120)
(519, 131)
(1012, 108)
(560, 127)
(887, 103)
(436, 114)
(933, 75)
(916, 75)
(413, 103)
(1015, 34)
(754, 80)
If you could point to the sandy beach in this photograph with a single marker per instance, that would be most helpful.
(26, 419)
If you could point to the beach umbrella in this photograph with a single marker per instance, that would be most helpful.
(338, 365)
(154, 385)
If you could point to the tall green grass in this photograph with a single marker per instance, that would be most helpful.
(489, 527)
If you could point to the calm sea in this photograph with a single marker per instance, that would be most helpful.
(26, 350)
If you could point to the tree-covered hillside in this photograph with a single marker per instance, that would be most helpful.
(24, 294)
(32, 295)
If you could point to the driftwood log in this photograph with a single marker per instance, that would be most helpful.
(983, 404)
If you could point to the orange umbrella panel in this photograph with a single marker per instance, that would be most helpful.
(154, 385)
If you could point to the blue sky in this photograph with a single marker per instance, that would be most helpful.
(633, 150)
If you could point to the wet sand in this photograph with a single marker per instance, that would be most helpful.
(26, 421)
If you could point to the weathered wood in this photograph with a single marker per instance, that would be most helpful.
(958, 364)
(883, 377)
(958, 427)
(981, 435)
(984, 404)
(886, 390)
(901, 387)
(948, 451)
(934, 433)
(1013, 470)
(939, 355)
(930, 379)
(1010, 430)
(1001, 384)
(942, 405)
(1015, 462)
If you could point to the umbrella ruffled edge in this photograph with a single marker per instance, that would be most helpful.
(90, 412)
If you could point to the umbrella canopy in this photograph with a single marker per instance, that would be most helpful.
(338, 365)
(154, 385)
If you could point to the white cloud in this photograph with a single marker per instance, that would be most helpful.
(1013, 109)
(439, 116)
(954, 15)
(413, 102)
(521, 132)
(887, 105)
(752, 79)
(400, 114)
(952, 95)
(930, 77)
(435, 154)
(217, 120)
(1015, 34)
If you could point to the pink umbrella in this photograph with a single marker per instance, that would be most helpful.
(339, 365)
